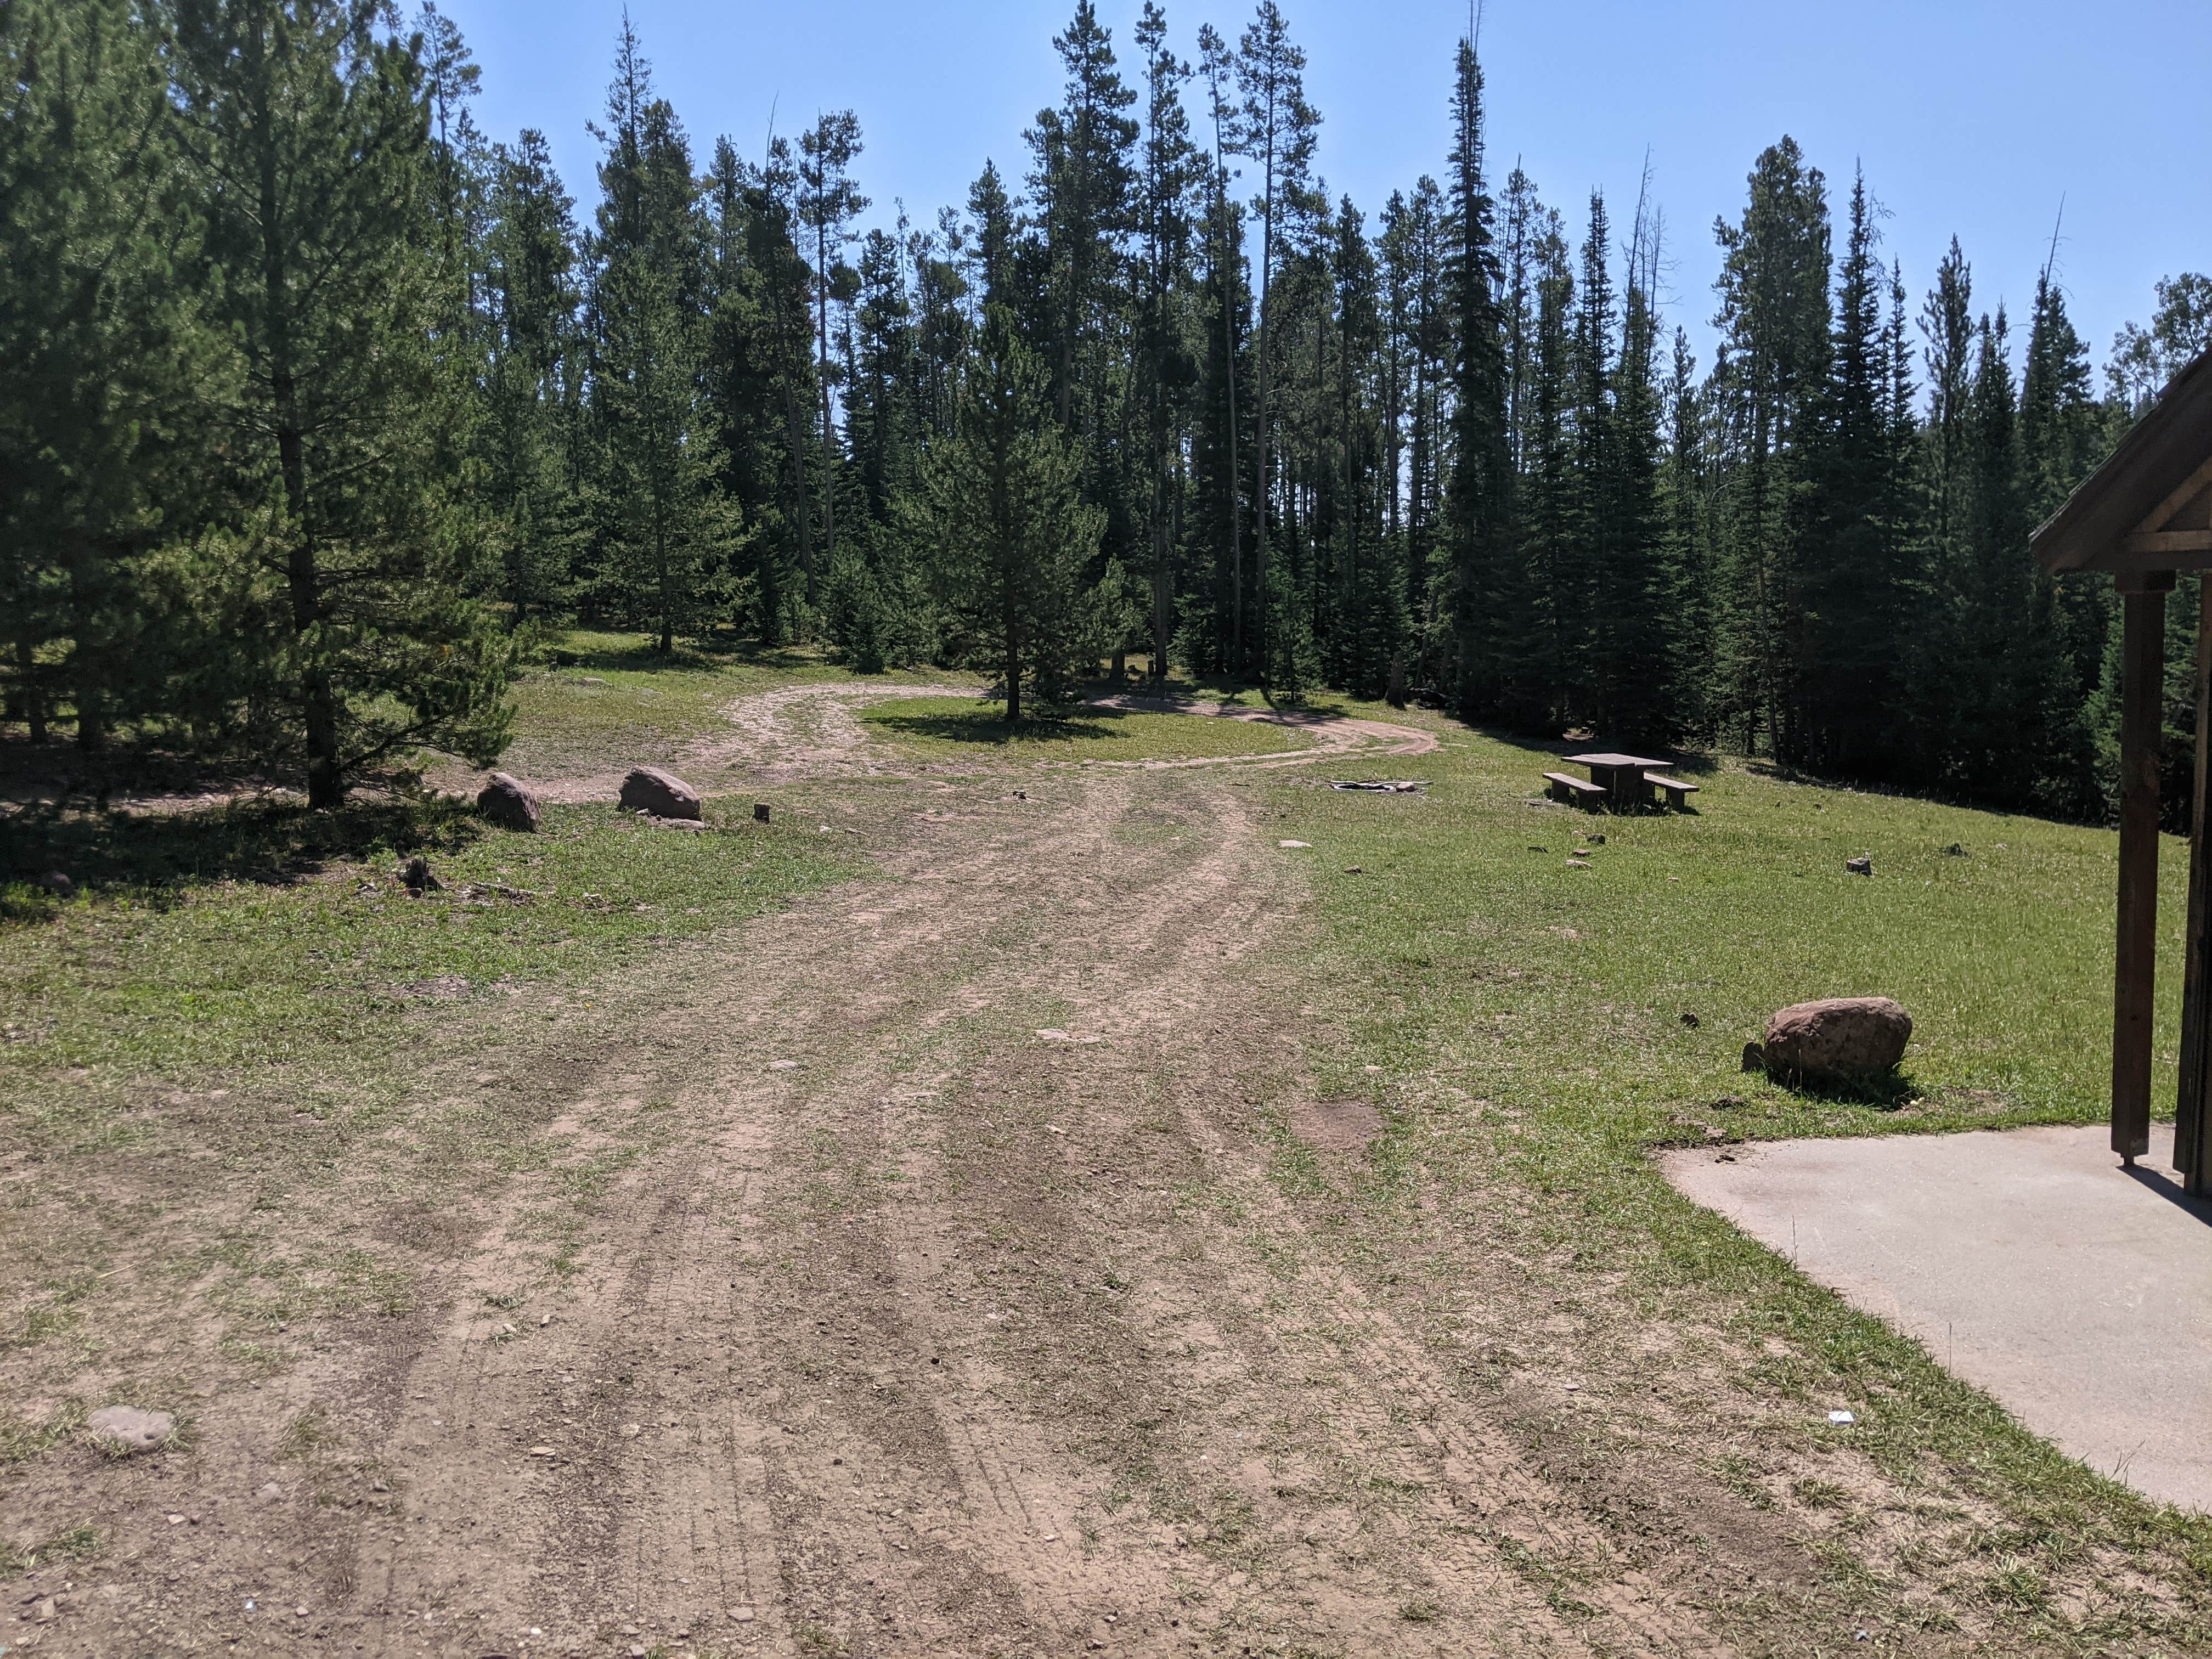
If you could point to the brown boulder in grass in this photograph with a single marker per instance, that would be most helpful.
(1840, 1040)
(507, 802)
(649, 789)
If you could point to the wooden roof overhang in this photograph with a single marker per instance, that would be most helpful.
(2149, 508)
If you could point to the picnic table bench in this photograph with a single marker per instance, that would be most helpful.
(1574, 790)
(1623, 782)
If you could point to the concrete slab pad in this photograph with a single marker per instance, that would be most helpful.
(2076, 1292)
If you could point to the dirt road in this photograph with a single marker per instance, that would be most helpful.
(908, 1274)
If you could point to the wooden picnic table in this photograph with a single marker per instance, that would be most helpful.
(1622, 777)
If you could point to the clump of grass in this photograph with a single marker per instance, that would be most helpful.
(77, 1544)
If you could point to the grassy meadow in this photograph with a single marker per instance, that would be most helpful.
(1534, 1032)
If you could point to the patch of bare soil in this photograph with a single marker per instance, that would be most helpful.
(1336, 1126)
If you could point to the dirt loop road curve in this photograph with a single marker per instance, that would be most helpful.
(896, 1327)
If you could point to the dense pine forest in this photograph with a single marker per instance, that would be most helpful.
(320, 408)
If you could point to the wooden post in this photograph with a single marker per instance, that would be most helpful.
(2134, 962)
(2190, 1118)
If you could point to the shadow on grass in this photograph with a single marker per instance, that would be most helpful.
(1888, 1091)
(981, 727)
(153, 856)
(689, 656)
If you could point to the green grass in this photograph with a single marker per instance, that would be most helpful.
(208, 943)
(965, 726)
(1535, 1031)
(1571, 985)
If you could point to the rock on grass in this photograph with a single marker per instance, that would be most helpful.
(507, 802)
(649, 789)
(1839, 1040)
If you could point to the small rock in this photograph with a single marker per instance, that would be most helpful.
(1690, 1019)
(127, 1429)
(59, 885)
(508, 802)
(1861, 866)
(272, 1490)
(44, 1614)
(760, 813)
(1578, 864)
(741, 1616)
(1754, 1057)
(418, 877)
(1954, 851)
(1354, 869)
(1293, 843)
(1597, 841)
(649, 789)
(630, 1431)
(1840, 1039)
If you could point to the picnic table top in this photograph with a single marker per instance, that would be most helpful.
(1614, 761)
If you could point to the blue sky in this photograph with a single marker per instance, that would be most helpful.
(1972, 118)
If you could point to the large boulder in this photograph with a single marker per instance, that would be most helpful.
(507, 802)
(1840, 1040)
(649, 789)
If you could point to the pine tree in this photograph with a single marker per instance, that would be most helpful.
(1221, 434)
(533, 377)
(1081, 189)
(2063, 433)
(758, 378)
(1012, 536)
(664, 526)
(1276, 131)
(107, 360)
(1168, 175)
(307, 136)
(1477, 505)
(1774, 321)
(829, 201)
(1857, 593)
(1637, 648)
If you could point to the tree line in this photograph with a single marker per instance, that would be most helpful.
(316, 405)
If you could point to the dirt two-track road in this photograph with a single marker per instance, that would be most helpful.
(944, 1298)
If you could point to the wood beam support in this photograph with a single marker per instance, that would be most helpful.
(2135, 966)
(2158, 542)
(2192, 1120)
